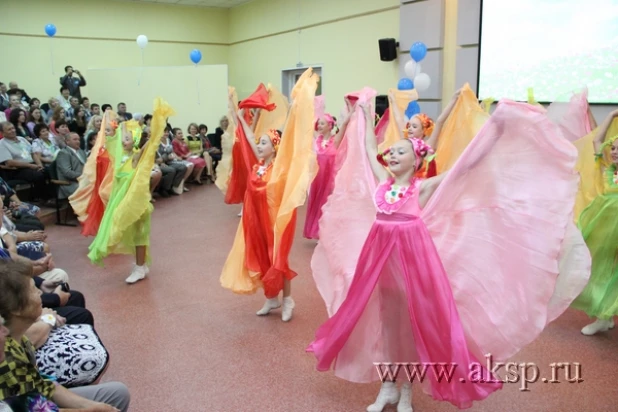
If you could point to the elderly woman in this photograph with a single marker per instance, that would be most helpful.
(22, 386)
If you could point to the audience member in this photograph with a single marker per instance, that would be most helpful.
(73, 83)
(70, 165)
(64, 98)
(16, 152)
(4, 97)
(122, 112)
(21, 384)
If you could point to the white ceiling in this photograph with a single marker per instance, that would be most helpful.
(198, 3)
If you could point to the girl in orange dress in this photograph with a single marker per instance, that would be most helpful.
(276, 186)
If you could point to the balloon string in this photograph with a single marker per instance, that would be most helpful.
(51, 53)
(197, 84)
(141, 70)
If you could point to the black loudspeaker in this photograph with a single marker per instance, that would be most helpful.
(381, 104)
(388, 49)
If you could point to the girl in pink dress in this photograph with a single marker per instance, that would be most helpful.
(326, 146)
(449, 259)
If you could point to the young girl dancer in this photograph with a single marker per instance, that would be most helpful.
(409, 303)
(125, 227)
(277, 186)
(599, 227)
(326, 145)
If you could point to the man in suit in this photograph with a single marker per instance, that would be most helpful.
(70, 163)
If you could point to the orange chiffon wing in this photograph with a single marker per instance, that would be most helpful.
(463, 123)
(293, 171)
(274, 119)
(224, 168)
(80, 199)
(400, 102)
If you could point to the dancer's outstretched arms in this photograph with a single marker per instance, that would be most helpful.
(602, 132)
(344, 126)
(248, 132)
(371, 146)
(433, 139)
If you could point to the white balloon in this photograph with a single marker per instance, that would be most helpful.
(142, 41)
(422, 82)
(410, 69)
(418, 69)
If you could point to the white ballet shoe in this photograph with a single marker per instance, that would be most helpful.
(597, 326)
(288, 308)
(138, 273)
(269, 305)
(389, 395)
(405, 398)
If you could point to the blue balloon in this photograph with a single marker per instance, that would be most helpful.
(195, 56)
(418, 51)
(413, 109)
(405, 84)
(50, 30)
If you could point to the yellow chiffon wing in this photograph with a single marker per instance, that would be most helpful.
(80, 199)
(464, 122)
(590, 175)
(235, 276)
(294, 168)
(400, 102)
(276, 118)
(137, 200)
(224, 169)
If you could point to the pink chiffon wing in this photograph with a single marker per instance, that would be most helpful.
(501, 223)
(572, 117)
(319, 105)
(347, 215)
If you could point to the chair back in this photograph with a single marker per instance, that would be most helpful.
(53, 171)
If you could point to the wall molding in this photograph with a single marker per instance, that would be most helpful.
(310, 26)
(114, 39)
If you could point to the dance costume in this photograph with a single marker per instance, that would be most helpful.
(599, 227)
(259, 255)
(488, 231)
(322, 185)
(126, 221)
(95, 184)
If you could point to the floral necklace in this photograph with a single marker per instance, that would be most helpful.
(125, 157)
(396, 192)
(324, 143)
(261, 171)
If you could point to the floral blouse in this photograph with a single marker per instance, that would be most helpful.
(47, 150)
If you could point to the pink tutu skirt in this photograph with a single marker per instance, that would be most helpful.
(400, 308)
(321, 188)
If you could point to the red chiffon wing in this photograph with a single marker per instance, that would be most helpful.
(96, 207)
(243, 158)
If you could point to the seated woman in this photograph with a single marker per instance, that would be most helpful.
(44, 146)
(22, 386)
(182, 151)
(213, 151)
(35, 117)
(19, 117)
(166, 150)
(196, 147)
(24, 215)
(28, 244)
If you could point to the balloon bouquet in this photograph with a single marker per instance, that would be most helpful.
(421, 81)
